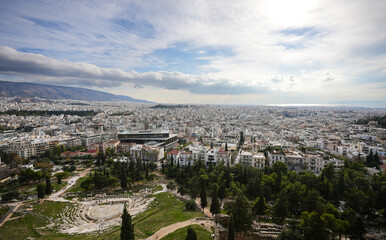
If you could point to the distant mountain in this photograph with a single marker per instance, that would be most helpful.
(23, 89)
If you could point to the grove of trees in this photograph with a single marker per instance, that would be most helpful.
(334, 203)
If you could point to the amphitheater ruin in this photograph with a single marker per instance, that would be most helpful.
(100, 213)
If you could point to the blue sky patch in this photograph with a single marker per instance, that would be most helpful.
(306, 31)
(139, 28)
(51, 25)
(31, 50)
(181, 57)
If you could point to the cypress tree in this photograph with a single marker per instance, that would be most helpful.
(215, 205)
(260, 210)
(127, 229)
(222, 192)
(231, 229)
(191, 234)
(99, 158)
(41, 188)
(204, 202)
(103, 158)
(59, 178)
(48, 185)
(123, 180)
(227, 176)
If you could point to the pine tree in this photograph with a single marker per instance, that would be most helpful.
(231, 229)
(204, 202)
(215, 205)
(226, 147)
(48, 185)
(191, 234)
(280, 209)
(242, 213)
(127, 229)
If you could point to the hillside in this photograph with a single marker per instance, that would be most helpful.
(22, 89)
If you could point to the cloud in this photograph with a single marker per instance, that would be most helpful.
(49, 70)
(201, 46)
(276, 79)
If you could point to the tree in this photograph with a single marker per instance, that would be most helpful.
(9, 196)
(99, 159)
(222, 192)
(280, 209)
(215, 205)
(287, 234)
(260, 206)
(59, 178)
(41, 188)
(242, 213)
(204, 202)
(293, 196)
(127, 229)
(329, 172)
(152, 177)
(355, 227)
(231, 229)
(191, 234)
(313, 226)
(171, 185)
(190, 205)
(123, 180)
(86, 184)
(310, 200)
(48, 185)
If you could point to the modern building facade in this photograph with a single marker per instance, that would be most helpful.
(164, 137)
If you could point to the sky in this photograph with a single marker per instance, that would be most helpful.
(212, 52)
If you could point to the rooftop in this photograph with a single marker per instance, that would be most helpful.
(144, 131)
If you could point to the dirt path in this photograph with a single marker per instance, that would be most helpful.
(9, 215)
(206, 211)
(71, 182)
(173, 227)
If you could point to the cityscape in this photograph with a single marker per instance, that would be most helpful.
(192, 120)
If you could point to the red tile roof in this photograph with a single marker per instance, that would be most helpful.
(173, 152)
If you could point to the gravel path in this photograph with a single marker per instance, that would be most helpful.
(71, 182)
(9, 214)
(173, 227)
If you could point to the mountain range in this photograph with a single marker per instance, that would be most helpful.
(24, 89)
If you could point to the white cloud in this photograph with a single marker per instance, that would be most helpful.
(282, 46)
(64, 72)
